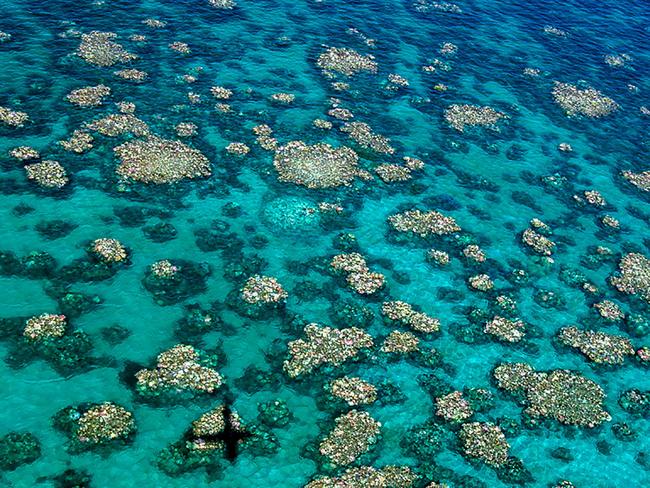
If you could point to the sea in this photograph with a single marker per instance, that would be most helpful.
(409, 63)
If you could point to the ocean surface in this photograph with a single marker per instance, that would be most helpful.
(536, 160)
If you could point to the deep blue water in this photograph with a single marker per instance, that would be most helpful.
(243, 220)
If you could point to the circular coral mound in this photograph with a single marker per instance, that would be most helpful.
(291, 213)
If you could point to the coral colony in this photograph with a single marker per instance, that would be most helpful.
(324, 244)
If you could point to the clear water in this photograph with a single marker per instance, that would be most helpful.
(239, 49)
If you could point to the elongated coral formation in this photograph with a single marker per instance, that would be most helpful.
(324, 345)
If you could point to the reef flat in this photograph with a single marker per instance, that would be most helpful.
(324, 243)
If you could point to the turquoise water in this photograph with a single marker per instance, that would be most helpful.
(489, 181)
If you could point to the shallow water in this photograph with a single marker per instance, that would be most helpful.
(489, 181)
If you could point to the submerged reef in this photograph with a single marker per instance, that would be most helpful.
(181, 373)
(324, 346)
(106, 257)
(291, 214)
(404, 314)
(209, 441)
(160, 161)
(173, 281)
(462, 116)
(636, 402)
(346, 61)
(317, 166)
(587, 102)
(275, 413)
(634, 278)
(96, 425)
(484, 441)
(51, 338)
(366, 476)
(423, 224)
(562, 395)
(353, 435)
(100, 49)
(598, 347)
(425, 441)
(17, 449)
(325, 244)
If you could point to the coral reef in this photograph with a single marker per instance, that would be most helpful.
(180, 372)
(316, 166)
(353, 435)
(562, 395)
(160, 161)
(324, 346)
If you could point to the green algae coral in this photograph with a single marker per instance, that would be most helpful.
(400, 343)
(95, 425)
(505, 329)
(114, 125)
(89, 96)
(79, 142)
(537, 242)
(13, 118)
(362, 134)
(453, 407)
(640, 180)
(108, 250)
(358, 275)
(17, 449)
